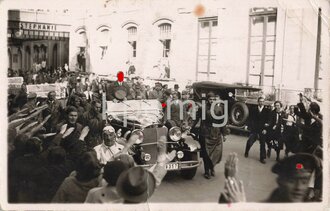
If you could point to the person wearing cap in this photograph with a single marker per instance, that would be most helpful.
(210, 137)
(175, 110)
(56, 109)
(109, 149)
(108, 193)
(157, 93)
(31, 101)
(176, 89)
(294, 175)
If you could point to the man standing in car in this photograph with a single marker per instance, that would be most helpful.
(257, 124)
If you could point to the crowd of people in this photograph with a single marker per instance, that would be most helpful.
(65, 151)
(298, 128)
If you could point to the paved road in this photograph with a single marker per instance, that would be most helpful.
(258, 179)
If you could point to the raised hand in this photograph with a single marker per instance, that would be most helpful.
(40, 125)
(234, 190)
(26, 128)
(63, 128)
(47, 135)
(40, 108)
(162, 157)
(68, 132)
(231, 165)
(84, 133)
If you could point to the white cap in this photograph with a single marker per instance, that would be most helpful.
(109, 129)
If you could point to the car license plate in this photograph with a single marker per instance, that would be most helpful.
(172, 166)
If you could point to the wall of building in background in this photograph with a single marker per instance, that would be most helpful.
(228, 52)
(35, 36)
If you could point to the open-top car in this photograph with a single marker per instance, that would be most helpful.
(240, 99)
(143, 117)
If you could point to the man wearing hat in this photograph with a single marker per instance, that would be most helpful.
(210, 137)
(136, 185)
(176, 89)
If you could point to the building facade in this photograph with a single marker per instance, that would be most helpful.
(274, 44)
(37, 38)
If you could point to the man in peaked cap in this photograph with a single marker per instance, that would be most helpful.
(31, 101)
(294, 174)
(157, 93)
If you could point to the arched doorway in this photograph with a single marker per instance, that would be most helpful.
(20, 65)
(55, 64)
(36, 54)
(27, 59)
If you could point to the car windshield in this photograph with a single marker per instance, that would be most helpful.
(142, 112)
(247, 93)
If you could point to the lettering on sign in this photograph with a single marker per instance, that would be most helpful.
(38, 26)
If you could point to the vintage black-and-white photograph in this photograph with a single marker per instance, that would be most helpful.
(164, 101)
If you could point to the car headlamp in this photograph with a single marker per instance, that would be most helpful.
(175, 133)
(180, 154)
(140, 134)
(146, 157)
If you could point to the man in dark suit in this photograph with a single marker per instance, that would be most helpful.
(81, 59)
(258, 122)
(274, 133)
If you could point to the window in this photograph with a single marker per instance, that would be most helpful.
(103, 40)
(262, 40)
(165, 38)
(81, 38)
(132, 37)
(36, 54)
(206, 53)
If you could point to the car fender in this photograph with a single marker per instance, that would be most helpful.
(192, 144)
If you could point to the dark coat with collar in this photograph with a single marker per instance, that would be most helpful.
(257, 120)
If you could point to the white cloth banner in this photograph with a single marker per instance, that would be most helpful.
(42, 89)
